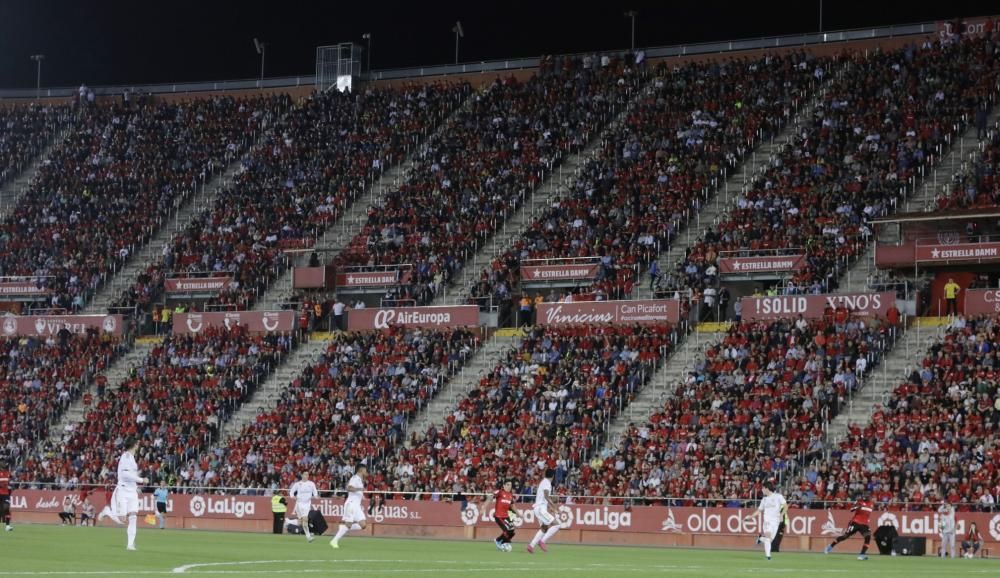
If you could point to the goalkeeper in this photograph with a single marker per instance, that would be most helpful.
(504, 500)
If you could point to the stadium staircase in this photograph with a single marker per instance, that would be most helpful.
(152, 252)
(560, 180)
(906, 356)
(959, 157)
(726, 192)
(11, 193)
(653, 394)
(116, 373)
(337, 237)
(269, 392)
(651, 397)
(459, 386)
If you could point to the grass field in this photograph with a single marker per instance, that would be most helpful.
(74, 551)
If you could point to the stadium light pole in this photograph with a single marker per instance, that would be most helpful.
(820, 15)
(262, 50)
(459, 33)
(38, 58)
(368, 52)
(632, 14)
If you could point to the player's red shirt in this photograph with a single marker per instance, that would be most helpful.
(4, 483)
(862, 513)
(503, 499)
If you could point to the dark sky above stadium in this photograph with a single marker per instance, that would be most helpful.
(105, 42)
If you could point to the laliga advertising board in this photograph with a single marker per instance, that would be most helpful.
(254, 513)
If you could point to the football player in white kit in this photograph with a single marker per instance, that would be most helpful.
(125, 500)
(545, 513)
(354, 515)
(304, 491)
(772, 510)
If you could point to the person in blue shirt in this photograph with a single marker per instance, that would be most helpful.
(161, 505)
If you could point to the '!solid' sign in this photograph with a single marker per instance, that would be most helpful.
(813, 306)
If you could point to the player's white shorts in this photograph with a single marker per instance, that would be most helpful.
(769, 529)
(124, 501)
(353, 512)
(542, 514)
(302, 508)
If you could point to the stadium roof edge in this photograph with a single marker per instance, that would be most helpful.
(501, 65)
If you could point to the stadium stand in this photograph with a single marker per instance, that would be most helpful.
(110, 183)
(40, 377)
(485, 165)
(934, 438)
(546, 404)
(698, 121)
(317, 160)
(25, 131)
(174, 403)
(353, 404)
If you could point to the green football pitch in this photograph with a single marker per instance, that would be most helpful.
(75, 551)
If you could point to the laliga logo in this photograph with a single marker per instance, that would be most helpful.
(564, 517)
(39, 325)
(10, 325)
(384, 317)
(197, 506)
(670, 524)
(110, 324)
(888, 518)
(470, 514)
(995, 527)
(194, 323)
(830, 528)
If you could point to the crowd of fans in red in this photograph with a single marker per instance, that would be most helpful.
(25, 131)
(175, 403)
(300, 178)
(696, 122)
(934, 440)
(880, 120)
(40, 377)
(548, 403)
(485, 164)
(353, 404)
(108, 186)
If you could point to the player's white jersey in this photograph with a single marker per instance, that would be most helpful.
(946, 517)
(128, 472)
(771, 507)
(544, 488)
(355, 497)
(304, 491)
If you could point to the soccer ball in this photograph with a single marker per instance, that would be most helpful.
(507, 547)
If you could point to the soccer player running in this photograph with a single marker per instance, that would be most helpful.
(160, 493)
(545, 513)
(5, 494)
(304, 491)
(354, 515)
(504, 500)
(125, 500)
(108, 510)
(771, 509)
(860, 524)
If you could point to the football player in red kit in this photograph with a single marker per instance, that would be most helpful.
(860, 524)
(504, 500)
(5, 496)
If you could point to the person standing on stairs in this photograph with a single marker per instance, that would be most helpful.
(951, 291)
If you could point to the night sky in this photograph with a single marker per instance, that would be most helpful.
(102, 42)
